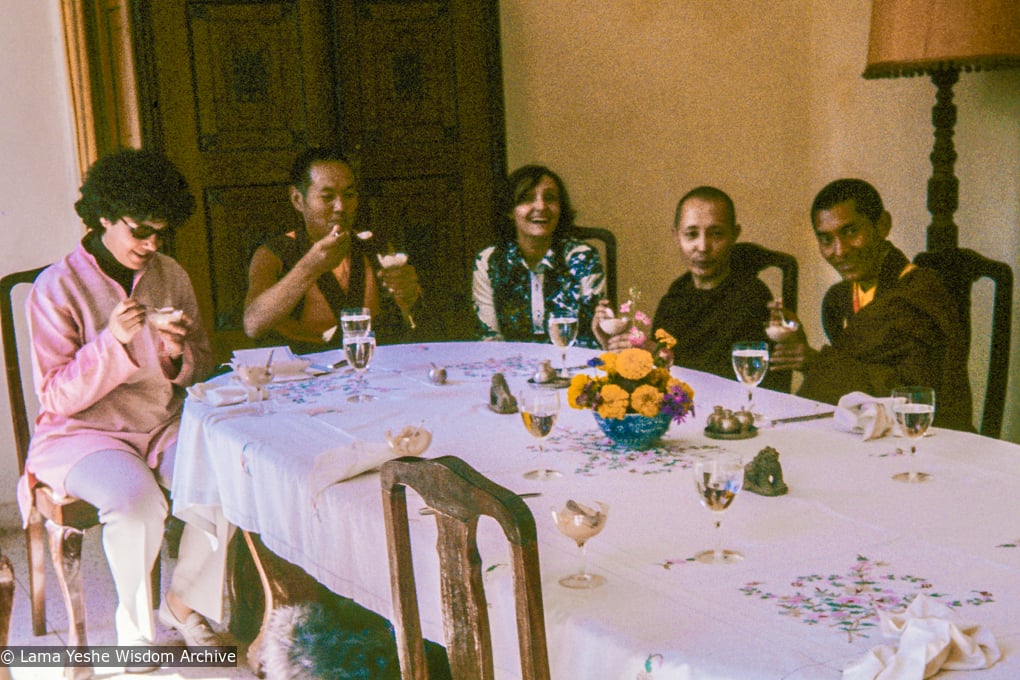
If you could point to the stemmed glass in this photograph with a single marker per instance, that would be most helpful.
(355, 321)
(750, 363)
(914, 408)
(718, 480)
(255, 378)
(563, 332)
(580, 522)
(359, 350)
(539, 407)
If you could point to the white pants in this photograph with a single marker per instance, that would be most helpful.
(132, 510)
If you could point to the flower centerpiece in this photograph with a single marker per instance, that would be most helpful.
(632, 394)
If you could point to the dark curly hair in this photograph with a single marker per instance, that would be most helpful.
(135, 183)
(518, 184)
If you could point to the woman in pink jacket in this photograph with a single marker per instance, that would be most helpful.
(110, 375)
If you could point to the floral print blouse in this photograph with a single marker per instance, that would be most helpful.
(513, 302)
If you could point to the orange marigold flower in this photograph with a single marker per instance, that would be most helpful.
(645, 400)
(614, 401)
(634, 363)
(577, 384)
(665, 338)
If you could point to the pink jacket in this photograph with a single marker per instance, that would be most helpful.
(94, 393)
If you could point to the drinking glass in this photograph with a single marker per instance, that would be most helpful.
(581, 521)
(355, 321)
(563, 333)
(718, 480)
(750, 363)
(255, 377)
(539, 407)
(359, 350)
(914, 408)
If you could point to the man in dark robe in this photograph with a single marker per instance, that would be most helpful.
(715, 303)
(889, 322)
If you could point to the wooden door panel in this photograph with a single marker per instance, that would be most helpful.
(239, 218)
(241, 88)
(407, 111)
(246, 69)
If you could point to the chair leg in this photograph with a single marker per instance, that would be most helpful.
(36, 543)
(65, 549)
(157, 581)
(6, 597)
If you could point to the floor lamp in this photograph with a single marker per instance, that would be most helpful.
(940, 38)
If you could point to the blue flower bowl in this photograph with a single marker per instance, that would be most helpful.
(634, 431)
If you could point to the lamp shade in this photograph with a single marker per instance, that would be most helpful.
(913, 37)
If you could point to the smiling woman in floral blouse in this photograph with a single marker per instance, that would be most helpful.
(536, 270)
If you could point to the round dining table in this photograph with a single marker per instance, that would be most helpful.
(822, 563)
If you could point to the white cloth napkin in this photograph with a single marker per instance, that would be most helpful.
(931, 639)
(871, 416)
(343, 462)
(225, 394)
(358, 456)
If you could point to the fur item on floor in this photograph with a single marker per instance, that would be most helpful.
(309, 642)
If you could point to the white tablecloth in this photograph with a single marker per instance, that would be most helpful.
(820, 561)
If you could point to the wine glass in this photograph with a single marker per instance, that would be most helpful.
(563, 333)
(255, 378)
(718, 480)
(359, 350)
(580, 522)
(355, 321)
(539, 407)
(750, 363)
(914, 408)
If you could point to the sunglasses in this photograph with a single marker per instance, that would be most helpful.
(140, 232)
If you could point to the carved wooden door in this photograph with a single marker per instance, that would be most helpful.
(421, 100)
(411, 88)
(232, 92)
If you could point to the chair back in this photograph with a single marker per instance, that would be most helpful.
(460, 495)
(12, 362)
(959, 269)
(606, 243)
(753, 258)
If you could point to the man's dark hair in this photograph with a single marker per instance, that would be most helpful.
(706, 193)
(518, 184)
(135, 183)
(865, 197)
(300, 171)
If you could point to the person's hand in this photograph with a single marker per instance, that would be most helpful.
(328, 252)
(126, 319)
(172, 335)
(402, 283)
(793, 352)
(612, 343)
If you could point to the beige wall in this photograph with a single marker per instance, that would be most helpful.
(633, 102)
(38, 170)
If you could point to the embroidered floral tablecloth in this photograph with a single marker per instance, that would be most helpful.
(820, 562)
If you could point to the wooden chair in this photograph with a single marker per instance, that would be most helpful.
(460, 495)
(6, 598)
(959, 269)
(607, 241)
(751, 257)
(65, 519)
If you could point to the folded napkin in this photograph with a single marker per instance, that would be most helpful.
(863, 413)
(225, 394)
(358, 456)
(931, 639)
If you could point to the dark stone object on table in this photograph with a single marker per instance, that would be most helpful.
(764, 474)
(500, 399)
